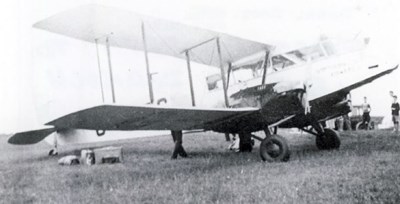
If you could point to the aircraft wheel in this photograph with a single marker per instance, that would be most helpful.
(329, 140)
(274, 149)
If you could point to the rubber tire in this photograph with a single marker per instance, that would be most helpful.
(329, 140)
(284, 153)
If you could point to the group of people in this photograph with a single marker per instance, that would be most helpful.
(395, 108)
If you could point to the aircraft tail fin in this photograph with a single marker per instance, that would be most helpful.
(30, 137)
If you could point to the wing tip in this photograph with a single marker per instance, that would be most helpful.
(30, 137)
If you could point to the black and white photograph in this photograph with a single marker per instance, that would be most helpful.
(199, 101)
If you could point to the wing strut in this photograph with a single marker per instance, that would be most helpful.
(190, 77)
(110, 67)
(265, 66)
(229, 72)
(149, 80)
(98, 63)
(221, 66)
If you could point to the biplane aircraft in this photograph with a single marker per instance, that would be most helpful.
(260, 88)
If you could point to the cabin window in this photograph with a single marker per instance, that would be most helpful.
(280, 62)
(246, 72)
(312, 53)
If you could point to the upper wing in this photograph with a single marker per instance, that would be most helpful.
(164, 37)
(113, 117)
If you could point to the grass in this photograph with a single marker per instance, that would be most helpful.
(366, 169)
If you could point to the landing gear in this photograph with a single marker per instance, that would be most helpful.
(326, 138)
(274, 148)
(329, 139)
(54, 151)
(245, 142)
(178, 150)
(227, 137)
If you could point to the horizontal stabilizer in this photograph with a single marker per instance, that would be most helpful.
(30, 137)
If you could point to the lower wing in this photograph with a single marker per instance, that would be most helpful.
(30, 137)
(114, 117)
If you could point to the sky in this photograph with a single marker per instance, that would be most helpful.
(44, 75)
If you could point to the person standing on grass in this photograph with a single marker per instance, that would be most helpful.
(366, 110)
(395, 114)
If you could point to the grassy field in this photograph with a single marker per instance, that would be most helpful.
(366, 169)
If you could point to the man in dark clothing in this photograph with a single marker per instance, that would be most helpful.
(366, 109)
(395, 114)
